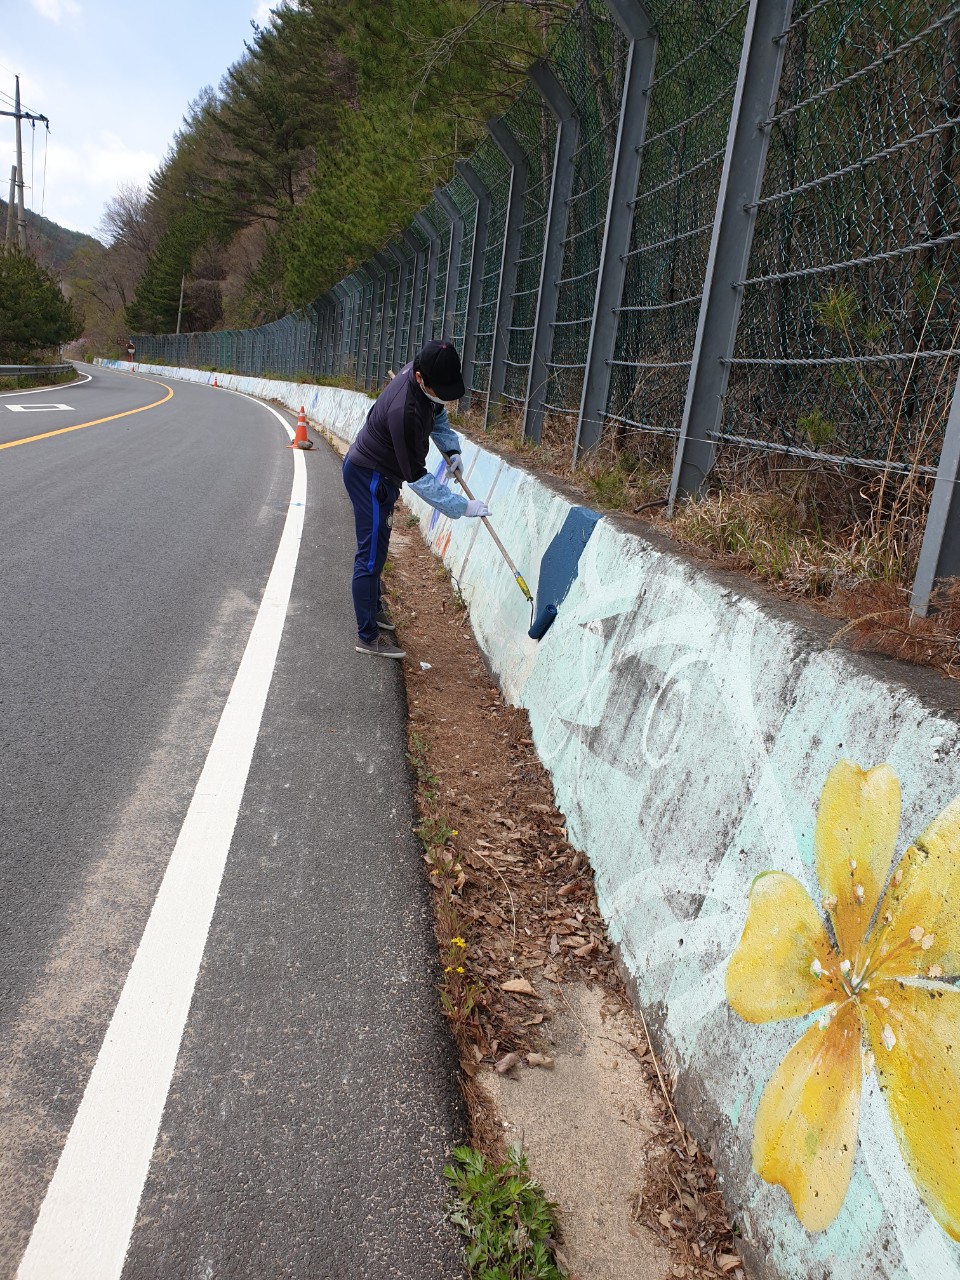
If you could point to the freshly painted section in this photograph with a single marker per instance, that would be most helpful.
(559, 567)
(90, 1207)
(695, 735)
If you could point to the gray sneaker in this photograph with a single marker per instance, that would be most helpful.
(384, 621)
(382, 647)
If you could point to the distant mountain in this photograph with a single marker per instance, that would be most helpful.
(51, 244)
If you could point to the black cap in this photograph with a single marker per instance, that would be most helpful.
(439, 366)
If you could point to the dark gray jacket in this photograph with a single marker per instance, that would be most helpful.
(395, 438)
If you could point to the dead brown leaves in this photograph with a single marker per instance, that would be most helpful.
(521, 897)
(681, 1205)
(881, 621)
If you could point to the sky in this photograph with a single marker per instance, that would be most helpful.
(115, 82)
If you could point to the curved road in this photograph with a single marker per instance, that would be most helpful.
(312, 1102)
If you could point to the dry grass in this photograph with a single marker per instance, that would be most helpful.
(881, 621)
(612, 477)
(845, 540)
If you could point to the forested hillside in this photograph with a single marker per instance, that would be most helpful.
(316, 147)
(53, 246)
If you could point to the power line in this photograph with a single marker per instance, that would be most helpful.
(19, 113)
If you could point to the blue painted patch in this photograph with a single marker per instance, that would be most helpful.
(561, 560)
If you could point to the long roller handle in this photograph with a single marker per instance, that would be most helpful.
(502, 549)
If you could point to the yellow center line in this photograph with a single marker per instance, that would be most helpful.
(62, 431)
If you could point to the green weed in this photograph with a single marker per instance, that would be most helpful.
(434, 832)
(609, 488)
(427, 779)
(509, 1224)
(818, 429)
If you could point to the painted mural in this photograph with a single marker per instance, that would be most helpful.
(878, 970)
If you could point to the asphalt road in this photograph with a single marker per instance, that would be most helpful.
(312, 1103)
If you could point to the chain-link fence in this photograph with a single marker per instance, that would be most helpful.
(850, 308)
(721, 222)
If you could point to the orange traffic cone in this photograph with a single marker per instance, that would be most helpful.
(214, 379)
(300, 440)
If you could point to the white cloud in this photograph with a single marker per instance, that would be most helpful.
(80, 179)
(263, 14)
(54, 10)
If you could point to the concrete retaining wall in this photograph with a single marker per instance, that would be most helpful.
(690, 725)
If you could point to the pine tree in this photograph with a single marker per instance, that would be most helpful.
(34, 314)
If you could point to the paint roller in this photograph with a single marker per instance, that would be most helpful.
(540, 624)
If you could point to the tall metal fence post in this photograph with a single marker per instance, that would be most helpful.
(311, 341)
(349, 323)
(323, 318)
(450, 208)
(551, 267)
(503, 319)
(430, 231)
(417, 248)
(754, 102)
(940, 552)
(472, 318)
(304, 341)
(333, 338)
(397, 357)
(368, 288)
(356, 339)
(340, 325)
(633, 20)
(340, 336)
(329, 328)
(386, 265)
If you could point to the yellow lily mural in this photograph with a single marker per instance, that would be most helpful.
(882, 972)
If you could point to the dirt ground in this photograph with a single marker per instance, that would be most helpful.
(551, 1052)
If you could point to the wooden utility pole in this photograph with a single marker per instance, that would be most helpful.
(19, 115)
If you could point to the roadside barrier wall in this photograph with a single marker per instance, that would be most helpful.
(690, 724)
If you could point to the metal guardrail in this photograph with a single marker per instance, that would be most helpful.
(32, 370)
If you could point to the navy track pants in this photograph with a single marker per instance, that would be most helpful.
(373, 497)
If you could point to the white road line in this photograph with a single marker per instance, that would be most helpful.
(37, 408)
(88, 1215)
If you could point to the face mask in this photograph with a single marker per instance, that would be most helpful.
(435, 399)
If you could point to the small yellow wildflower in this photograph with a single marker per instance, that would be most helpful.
(458, 942)
(460, 968)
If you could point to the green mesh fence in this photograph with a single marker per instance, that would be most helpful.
(405, 313)
(463, 198)
(439, 220)
(588, 59)
(419, 286)
(847, 339)
(698, 55)
(534, 128)
(846, 347)
(494, 172)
